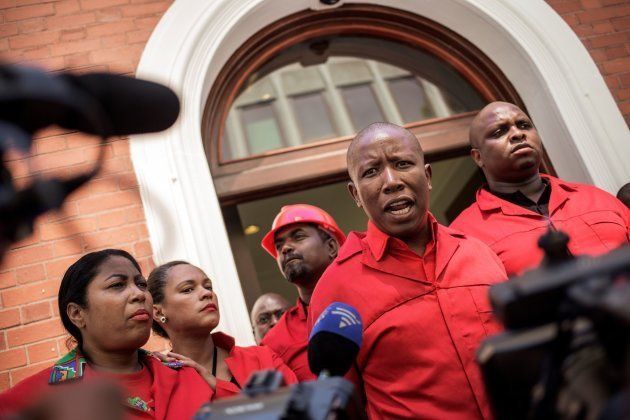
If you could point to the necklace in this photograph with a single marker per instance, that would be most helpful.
(214, 361)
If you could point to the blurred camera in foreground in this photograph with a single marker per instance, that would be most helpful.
(566, 350)
(333, 347)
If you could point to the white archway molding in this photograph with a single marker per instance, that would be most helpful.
(582, 128)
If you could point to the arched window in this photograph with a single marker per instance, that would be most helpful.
(286, 104)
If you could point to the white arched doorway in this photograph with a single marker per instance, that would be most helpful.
(584, 132)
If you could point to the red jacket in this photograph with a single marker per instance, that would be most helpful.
(243, 361)
(423, 319)
(177, 394)
(595, 221)
(289, 338)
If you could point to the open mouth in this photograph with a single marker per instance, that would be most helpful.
(399, 207)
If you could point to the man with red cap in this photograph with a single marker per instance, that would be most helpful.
(304, 240)
(519, 204)
(421, 288)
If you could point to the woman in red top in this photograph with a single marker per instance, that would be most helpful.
(104, 304)
(186, 311)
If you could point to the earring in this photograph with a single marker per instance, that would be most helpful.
(163, 319)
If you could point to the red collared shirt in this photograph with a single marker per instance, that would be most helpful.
(423, 318)
(289, 340)
(595, 221)
(243, 361)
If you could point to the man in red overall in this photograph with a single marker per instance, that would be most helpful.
(421, 289)
(519, 204)
(304, 240)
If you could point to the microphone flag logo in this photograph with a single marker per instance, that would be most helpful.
(347, 317)
(340, 319)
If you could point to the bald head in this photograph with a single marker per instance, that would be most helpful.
(624, 194)
(485, 117)
(266, 312)
(376, 132)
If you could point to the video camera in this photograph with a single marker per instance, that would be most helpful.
(566, 350)
(95, 103)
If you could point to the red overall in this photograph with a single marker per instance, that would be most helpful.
(595, 221)
(243, 361)
(289, 338)
(423, 319)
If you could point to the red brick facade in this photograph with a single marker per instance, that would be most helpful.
(79, 35)
(604, 28)
(109, 35)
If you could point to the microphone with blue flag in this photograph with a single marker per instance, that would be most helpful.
(335, 340)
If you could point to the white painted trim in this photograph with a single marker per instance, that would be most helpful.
(582, 128)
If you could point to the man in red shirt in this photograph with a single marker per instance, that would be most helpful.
(420, 288)
(304, 240)
(519, 204)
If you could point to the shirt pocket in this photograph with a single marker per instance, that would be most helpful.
(481, 298)
(608, 227)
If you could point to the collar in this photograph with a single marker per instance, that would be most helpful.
(223, 341)
(379, 242)
(72, 366)
(560, 192)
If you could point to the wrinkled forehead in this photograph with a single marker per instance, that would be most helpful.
(499, 112)
(388, 140)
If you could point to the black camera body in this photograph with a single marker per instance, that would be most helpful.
(566, 349)
(325, 398)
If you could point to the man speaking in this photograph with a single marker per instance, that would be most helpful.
(420, 288)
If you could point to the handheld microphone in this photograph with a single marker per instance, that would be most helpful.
(335, 340)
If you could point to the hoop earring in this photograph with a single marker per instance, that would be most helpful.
(163, 319)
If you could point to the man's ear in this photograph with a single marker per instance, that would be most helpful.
(332, 247)
(428, 172)
(76, 314)
(476, 156)
(354, 193)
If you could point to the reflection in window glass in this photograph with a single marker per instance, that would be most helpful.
(411, 99)
(312, 116)
(362, 105)
(298, 98)
(261, 127)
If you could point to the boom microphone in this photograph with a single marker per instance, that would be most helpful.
(335, 340)
(133, 106)
(95, 103)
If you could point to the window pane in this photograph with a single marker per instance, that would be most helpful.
(362, 105)
(312, 116)
(303, 95)
(261, 128)
(411, 99)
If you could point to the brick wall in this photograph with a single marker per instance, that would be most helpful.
(90, 35)
(604, 28)
(79, 35)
